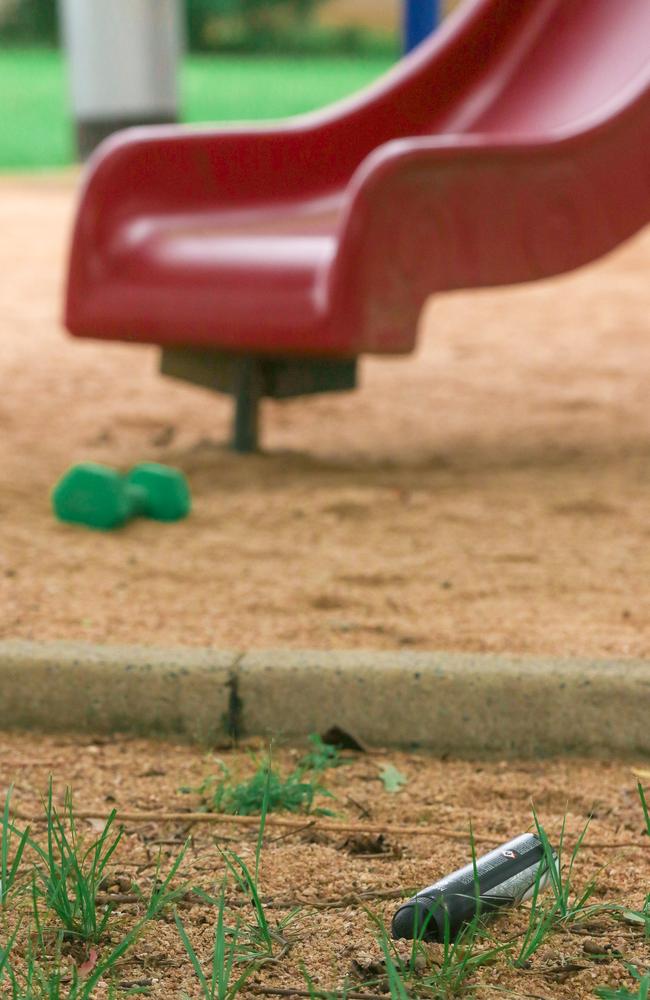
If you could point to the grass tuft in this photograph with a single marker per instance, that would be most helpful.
(162, 895)
(223, 984)
(9, 866)
(232, 946)
(69, 875)
(5, 954)
(645, 913)
(259, 935)
(540, 922)
(568, 905)
(645, 807)
(440, 971)
(294, 793)
(321, 756)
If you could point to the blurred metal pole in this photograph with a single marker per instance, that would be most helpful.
(123, 57)
(420, 18)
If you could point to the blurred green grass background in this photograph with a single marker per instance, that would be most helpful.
(37, 129)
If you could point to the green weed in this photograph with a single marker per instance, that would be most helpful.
(162, 895)
(223, 984)
(36, 984)
(441, 977)
(5, 953)
(568, 905)
(229, 948)
(9, 866)
(322, 756)
(461, 959)
(645, 913)
(260, 934)
(541, 920)
(645, 807)
(291, 794)
(69, 876)
(564, 906)
(394, 968)
(543, 914)
(41, 982)
(50, 981)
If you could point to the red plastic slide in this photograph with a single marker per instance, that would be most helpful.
(512, 145)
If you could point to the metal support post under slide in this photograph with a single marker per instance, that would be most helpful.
(248, 390)
(248, 378)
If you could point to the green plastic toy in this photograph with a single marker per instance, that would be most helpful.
(101, 497)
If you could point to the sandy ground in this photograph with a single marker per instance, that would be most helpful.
(490, 492)
(339, 871)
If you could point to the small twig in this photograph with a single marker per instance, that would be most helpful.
(363, 811)
(359, 897)
(287, 991)
(559, 971)
(377, 856)
(283, 822)
(611, 847)
(294, 825)
(169, 841)
(500, 990)
(349, 899)
(274, 959)
(290, 833)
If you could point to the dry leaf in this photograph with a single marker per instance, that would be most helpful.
(89, 964)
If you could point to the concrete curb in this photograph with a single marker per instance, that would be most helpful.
(446, 703)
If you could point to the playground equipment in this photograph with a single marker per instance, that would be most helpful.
(100, 497)
(420, 18)
(512, 145)
(122, 59)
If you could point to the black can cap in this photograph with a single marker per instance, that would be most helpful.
(422, 916)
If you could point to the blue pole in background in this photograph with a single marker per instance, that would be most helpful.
(420, 18)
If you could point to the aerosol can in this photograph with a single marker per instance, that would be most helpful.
(504, 877)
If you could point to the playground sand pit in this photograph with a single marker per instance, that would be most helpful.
(364, 866)
(491, 492)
